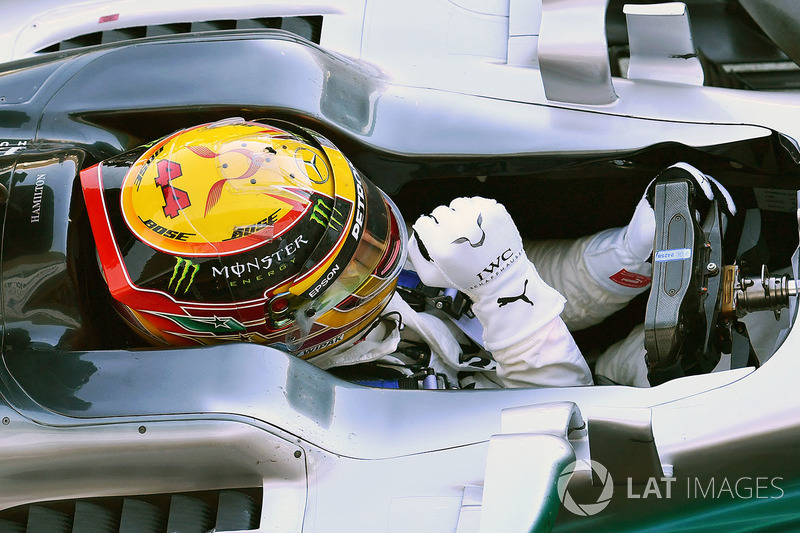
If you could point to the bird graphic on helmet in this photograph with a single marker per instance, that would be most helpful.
(257, 161)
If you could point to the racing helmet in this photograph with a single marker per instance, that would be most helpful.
(244, 231)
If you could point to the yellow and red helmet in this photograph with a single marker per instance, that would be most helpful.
(244, 231)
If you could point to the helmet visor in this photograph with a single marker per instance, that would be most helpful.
(377, 262)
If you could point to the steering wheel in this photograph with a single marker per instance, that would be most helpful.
(681, 333)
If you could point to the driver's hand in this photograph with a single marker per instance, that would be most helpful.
(474, 246)
(641, 229)
(467, 245)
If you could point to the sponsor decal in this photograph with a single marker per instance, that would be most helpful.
(324, 282)
(511, 299)
(140, 175)
(358, 221)
(38, 190)
(312, 165)
(268, 265)
(241, 231)
(630, 279)
(324, 214)
(182, 269)
(330, 342)
(480, 241)
(678, 254)
(168, 233)
(12, 147)
(493, 269)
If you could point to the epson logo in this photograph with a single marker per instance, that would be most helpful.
(327, 279)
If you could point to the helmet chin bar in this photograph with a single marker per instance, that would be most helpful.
(695, 301)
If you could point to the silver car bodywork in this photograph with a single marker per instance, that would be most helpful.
(332, 456)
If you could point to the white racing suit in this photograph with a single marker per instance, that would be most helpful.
(523, 322)
(548, 358)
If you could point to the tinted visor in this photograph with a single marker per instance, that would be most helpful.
(377, 262)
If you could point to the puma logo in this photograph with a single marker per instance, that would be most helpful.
(465, 239)
(505, 301)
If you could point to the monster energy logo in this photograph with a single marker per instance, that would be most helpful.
(180, 270)
(322, 214)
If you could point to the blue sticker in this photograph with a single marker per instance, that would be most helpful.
(673, 255)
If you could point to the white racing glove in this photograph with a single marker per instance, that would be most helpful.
(617, 258)
(474, 246)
